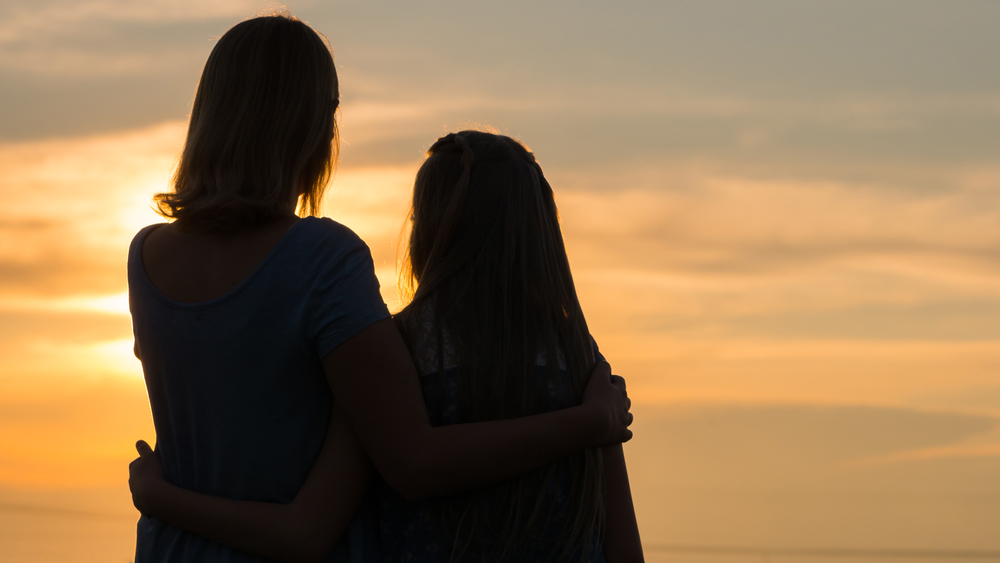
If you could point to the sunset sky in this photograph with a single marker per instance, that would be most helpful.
(783, 219)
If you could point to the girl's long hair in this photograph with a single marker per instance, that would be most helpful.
(487, 259)
(262, 137)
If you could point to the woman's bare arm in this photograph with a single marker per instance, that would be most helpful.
(621, 535)
(301, 532)
(373, 379)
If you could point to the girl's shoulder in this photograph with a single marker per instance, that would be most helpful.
(426, 339)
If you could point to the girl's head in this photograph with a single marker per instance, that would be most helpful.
(487, 259)
(481, 201)
(262, 135)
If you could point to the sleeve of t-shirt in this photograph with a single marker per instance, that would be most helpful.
(345, 298)
(598, 356)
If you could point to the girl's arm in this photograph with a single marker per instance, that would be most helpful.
(303, 531)
(621, 534)
(374, 381)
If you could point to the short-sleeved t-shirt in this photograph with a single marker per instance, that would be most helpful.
(239, 398)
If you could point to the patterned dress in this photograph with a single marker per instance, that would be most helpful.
(420, 531)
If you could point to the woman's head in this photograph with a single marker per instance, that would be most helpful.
(487, 258)
(262, 134)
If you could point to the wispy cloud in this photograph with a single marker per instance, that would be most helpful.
(796, 446)
(668, 255)
(82, 39)
(69, 63)
(691, 232)
(374, 102)
(116, 304)
(72, 205)
(975, 447)
(961, 451)
(42, 20)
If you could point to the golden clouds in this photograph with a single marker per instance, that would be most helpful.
(803, 475)
(50, 38)
(71, 206)
(73, 400)
(704, 250)
(709, 287)
(704, 285)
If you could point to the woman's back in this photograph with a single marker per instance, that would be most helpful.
(239, 397)
(197, 267)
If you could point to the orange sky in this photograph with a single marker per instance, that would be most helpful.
(780, 217)
(677, 287)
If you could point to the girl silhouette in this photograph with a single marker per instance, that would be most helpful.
(496, 331)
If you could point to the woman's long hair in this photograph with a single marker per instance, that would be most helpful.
(487, 259)
(262, 136)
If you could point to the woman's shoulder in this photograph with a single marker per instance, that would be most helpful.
(144, 232)
(326, 241)
(326, 229)
(135, 247)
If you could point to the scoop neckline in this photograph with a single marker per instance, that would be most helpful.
(229, 294)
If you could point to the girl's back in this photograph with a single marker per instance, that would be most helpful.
(496, 332)
(425, 531)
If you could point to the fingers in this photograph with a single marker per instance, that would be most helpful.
(618, 381)
(143, 448)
